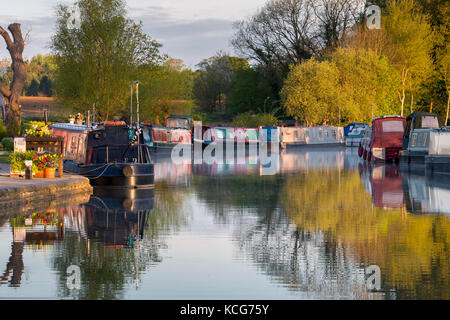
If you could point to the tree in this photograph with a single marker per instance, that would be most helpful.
(168, 89)
(341, 88)
(411, 43)
(99, 55)
(213, 81)
(33, 88)
(15, 46)
(250, 91)
(286, 32)
(335, 18)
(310, 92)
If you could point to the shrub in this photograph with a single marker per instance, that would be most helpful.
(8, 144)
(251, 120)
(2, 130)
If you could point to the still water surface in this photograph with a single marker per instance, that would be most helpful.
(227, 232)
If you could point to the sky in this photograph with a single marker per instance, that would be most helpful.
(190, 30)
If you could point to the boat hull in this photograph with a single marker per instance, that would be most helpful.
(115, 175)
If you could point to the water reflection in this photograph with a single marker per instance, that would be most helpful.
(308, 231)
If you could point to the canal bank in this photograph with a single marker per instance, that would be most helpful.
(20, 196)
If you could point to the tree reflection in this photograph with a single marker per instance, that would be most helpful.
(411, 250)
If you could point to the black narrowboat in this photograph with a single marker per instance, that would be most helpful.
(111, 154)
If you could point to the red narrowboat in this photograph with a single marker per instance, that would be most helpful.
(384, 141)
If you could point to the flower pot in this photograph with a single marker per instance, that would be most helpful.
(49, 173)
(71, 121)
(39, 174)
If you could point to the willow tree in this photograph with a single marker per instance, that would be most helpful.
(99, 51)
(15, 46)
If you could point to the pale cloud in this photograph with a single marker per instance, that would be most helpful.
(188, 29)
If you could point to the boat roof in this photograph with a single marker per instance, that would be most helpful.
(389, 117)
(68, 126)
(421, 114)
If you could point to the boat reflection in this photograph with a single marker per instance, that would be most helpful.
(283, 162)
(384, 184)
(426, 194)
(394, 188)
(112, 218)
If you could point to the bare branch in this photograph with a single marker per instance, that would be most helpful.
(6, 36)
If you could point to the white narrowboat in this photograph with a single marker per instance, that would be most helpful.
(438, 158)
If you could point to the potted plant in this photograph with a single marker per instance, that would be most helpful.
(51, 163)
(17, 163)
(40, 166)
(79, 119)
(72, 119)
(38, 129)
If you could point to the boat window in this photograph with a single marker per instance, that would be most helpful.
(178, 123)
(430, 122)
(393, 126)
(146, 134)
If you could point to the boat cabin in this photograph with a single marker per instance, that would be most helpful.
(384, 141)
(416, 136)
(103, 143)
(179, 122)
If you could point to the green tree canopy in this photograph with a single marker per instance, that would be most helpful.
(213, 81)
(98, 54)
(341, 88)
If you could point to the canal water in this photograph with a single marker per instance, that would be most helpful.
(322, 226)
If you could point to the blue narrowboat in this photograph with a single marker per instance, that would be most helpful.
(110, 154)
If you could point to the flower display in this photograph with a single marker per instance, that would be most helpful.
(38, 129)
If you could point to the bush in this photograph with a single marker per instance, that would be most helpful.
(2, 130)
(8, 144)
(251, 120)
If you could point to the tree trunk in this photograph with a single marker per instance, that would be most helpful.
(15, 47)
(448, 105)
(412, 102)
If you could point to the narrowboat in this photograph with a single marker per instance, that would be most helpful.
(416, 138)
(438, 159)
(384, 141)
(110, 154)
(163, 139)
(293, 136)
(353, 133)
(227, 135)
(251, 135)
(269, 135)
(312, 136)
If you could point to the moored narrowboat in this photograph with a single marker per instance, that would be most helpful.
(354, 133)
(312, 136)
(164, 139)
(110, 154)
(384, 141)
(416, 138)
(438, 159)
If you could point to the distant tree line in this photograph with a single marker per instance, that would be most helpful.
(314, 52)
(310, 60)
(317, 62)
(39, 77)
